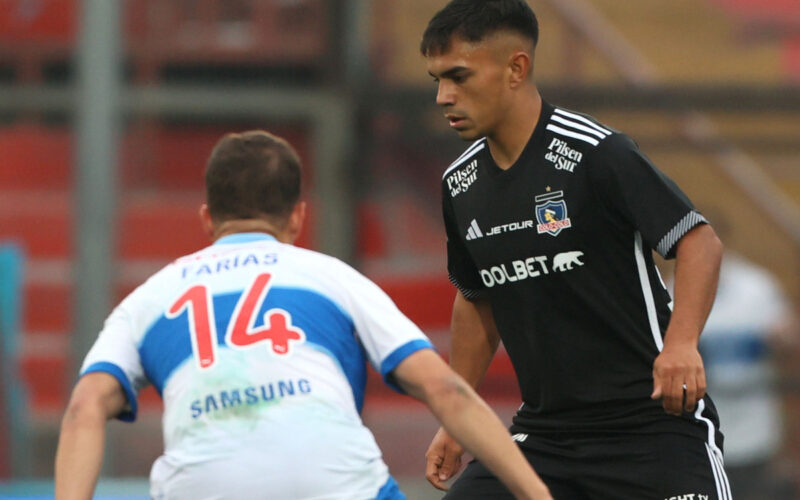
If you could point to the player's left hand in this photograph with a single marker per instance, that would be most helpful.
(679, 378)
(443, 459)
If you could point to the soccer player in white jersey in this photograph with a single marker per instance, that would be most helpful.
(259, 351)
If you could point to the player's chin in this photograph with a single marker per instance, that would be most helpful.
(468, 134)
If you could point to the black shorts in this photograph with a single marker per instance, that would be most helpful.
(611, 467)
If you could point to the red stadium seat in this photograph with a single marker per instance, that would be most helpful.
(776, 9)
(35, 156)
(791, 57)
(43, 21)
(425, 300)
(223, 32)
(773, 19)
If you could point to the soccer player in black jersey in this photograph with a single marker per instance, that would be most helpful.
(551, 219)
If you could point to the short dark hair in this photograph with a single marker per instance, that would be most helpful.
(252, 175)
(473, 20)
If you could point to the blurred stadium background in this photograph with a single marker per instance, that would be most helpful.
(108, 109)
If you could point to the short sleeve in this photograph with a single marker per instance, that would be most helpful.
(643, 195)
(115, 352)
(387, 335)
(460, 267)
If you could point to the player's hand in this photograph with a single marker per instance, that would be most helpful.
(443, 459)
(679, 378)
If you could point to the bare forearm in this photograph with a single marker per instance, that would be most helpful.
(79, 457)
(678, 373)
(474, 339)
(696, 274)
(96, 398)
(467, 418)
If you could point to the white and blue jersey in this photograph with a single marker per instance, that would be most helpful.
(749, 309)
(259, 351)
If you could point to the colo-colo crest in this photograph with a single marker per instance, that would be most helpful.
(551, 213)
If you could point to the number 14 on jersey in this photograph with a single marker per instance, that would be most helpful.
(242, 332)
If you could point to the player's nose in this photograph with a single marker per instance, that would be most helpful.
(445, 95)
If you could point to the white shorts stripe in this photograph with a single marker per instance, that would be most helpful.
(698, 414)
(714, 455)
(713, 463)
(724, 477)
(463, 158)
(578, 126)
(575, 135)
(582, 119)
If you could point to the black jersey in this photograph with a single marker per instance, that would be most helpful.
(560, 244)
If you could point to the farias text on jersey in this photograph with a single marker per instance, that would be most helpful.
(562, 156)
(551, 213)
(459, 181)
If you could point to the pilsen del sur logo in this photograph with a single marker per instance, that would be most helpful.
(551, 213)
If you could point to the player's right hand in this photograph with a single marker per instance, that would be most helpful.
(443, 459)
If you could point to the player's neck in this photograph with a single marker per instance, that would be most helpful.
(514, 132)
(236, 226)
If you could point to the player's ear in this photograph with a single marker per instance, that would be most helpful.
(520, 65)
(296, 220)
(205, 221)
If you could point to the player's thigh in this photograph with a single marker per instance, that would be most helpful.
(656, 467)
(478, 483)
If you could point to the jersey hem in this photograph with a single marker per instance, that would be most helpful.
(390, 491)
(468, 293)
(117, 373)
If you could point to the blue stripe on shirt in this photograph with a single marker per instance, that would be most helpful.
(167, 345)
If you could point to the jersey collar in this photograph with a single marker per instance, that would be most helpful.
(244, 238)
(536, 138)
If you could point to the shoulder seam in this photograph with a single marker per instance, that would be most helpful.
(466, 155)
(577, 127)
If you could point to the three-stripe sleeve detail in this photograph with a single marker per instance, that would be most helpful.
(574, 135)
(583, 119)
(577, 127)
